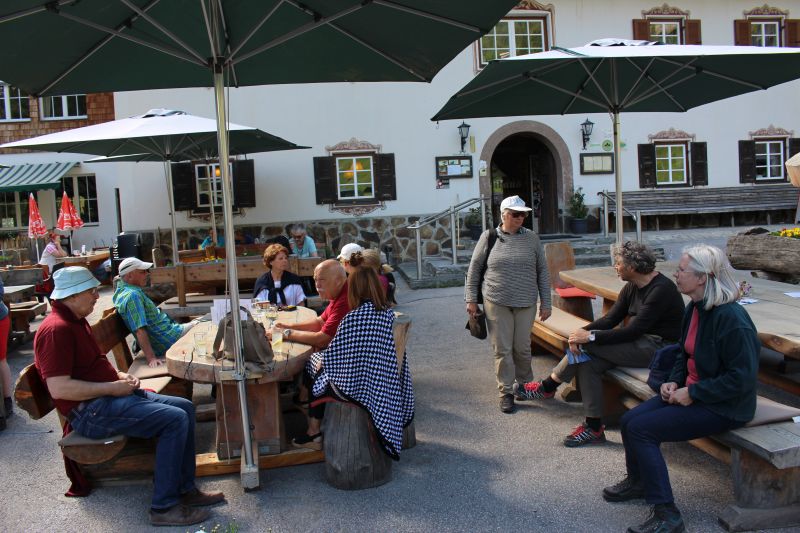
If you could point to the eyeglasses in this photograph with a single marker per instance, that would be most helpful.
(298, 237)
(518, 214)
(93, 291)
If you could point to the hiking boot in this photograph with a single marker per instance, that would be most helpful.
(664, 518)
(583, 434)
(507, 403)
(531, 390)
(628, 489)
(198, 498)
(179, 515)
(312, 442)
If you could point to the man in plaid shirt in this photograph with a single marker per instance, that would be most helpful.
(154, 330)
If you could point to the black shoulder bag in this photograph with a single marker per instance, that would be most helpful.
(477, 324)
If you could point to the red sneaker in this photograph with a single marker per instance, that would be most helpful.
(583, 434)
(531, 390)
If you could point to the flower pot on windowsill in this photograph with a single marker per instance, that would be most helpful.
(579, 225)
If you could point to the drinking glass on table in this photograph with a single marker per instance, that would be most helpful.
(200, 347)
(272, 314)
(277, 341)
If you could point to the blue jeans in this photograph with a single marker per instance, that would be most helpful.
(646, 426)
(145, 414)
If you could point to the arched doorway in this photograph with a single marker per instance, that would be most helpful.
(524, 166)
(530, 159)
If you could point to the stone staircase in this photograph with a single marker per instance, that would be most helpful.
(439, 270)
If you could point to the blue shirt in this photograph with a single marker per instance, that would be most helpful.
(308, 249)
(139, 311)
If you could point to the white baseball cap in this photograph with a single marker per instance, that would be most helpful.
(515, 203)
(129, 264)
(348, 250)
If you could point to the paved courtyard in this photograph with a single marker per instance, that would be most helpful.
(473, 469)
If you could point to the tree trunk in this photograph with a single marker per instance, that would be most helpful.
(765, 252)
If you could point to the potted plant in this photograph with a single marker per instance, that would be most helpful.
(473, 223)
(578, 212)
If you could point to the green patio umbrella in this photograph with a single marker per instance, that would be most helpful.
(103, 45)
(615, 76)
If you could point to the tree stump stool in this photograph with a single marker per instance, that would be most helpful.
(354, 459)
(409, 436)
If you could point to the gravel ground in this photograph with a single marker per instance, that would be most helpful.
(473, 469)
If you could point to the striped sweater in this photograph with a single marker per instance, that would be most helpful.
(515, 272)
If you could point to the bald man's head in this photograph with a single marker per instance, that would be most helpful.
(329, 278)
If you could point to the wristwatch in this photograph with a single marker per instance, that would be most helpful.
(286, 333)
(591, 336)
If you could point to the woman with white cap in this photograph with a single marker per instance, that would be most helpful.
(347, 252)
(508, 273)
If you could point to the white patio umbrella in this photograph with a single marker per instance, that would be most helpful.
(158, 135)
(618, 75)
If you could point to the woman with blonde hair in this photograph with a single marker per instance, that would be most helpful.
(278, 285)
(711, 389)
(360, 366)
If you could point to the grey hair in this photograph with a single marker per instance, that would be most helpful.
(298, 227)
(721, 287)
(636, 255)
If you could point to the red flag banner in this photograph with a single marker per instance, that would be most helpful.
(68, 218)
(36, 227)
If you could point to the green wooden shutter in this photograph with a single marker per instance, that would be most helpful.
(325, 180)
(183, 186)
(647, 166)
(244, 184)
(699, 163)
(747, 162)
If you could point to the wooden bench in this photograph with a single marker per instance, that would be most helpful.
(21, 315)
(764, 456)
(699, 200)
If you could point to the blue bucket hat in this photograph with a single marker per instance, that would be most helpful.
(72, 280)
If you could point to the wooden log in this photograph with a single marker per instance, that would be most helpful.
(765, 252)
(354, 459)
(409, 436)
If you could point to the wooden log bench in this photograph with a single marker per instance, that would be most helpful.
(22, 314)
(764, 456)
(700, 200)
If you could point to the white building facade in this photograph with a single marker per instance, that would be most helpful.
(377, 162)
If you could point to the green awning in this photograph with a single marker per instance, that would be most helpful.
(33, 177)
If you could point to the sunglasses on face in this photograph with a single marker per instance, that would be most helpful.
(518, 214)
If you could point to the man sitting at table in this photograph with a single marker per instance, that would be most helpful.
(331, 282)
(302, 245)
(99, 401)
(653, 308)
(153, 329)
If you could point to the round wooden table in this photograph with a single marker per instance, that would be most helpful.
(263, 399)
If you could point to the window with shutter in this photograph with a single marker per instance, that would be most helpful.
(183, 186)
(667, 25)
(769, 158)
(747, 162)
(647, 166)
(671, 168)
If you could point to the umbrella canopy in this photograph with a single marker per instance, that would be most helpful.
(614, 76)
(68, 218)
(158, 135)
(36, 226)
(96, 45)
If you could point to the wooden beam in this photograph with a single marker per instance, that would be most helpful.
(208, 464)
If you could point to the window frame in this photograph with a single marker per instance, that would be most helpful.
(75, 197)
(686, 162)
(337, 156)
(20, 218)
(680, 21)
(777, 21)
(766, 141)
(64, 107)
(215, 182)
(516, 15)
(7, 97)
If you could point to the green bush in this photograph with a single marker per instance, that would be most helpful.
(577, 207)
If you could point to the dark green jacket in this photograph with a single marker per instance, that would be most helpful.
(726, 358)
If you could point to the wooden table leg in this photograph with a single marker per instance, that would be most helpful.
(263, 403)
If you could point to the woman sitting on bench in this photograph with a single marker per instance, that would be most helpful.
(712, 387)
(360, 366)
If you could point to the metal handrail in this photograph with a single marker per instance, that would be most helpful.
(637, 216)
(452, 211)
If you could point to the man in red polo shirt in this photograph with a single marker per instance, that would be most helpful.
(99, 401)
(330, 279)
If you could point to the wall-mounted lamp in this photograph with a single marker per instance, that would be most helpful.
(586, 131)
(463, 132)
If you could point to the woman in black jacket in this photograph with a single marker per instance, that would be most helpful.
(278, 285)
(712, 387)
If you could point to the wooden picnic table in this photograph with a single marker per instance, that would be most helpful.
(18, 293)
(92, 260)
(774, 314)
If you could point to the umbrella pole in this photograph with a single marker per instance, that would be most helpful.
(249, 469)
(171, 199)
(618, 178)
